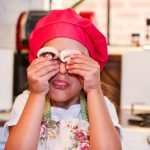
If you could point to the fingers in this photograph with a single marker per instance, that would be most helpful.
(42, 67)
(45, 77)
(82, 62)
(83, 65)
(50, 74)
(49, 65)
(47, 69)
(81, 59)
(41, 63)
(39, 60)
(83, 70)
(79, 72)
(36, 60)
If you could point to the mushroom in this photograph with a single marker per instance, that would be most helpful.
(48, 51)
(67, 52)
(51, 51)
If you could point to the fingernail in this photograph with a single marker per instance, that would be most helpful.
(67, 66)
(68, 61)
(49, 57)
(71, 56)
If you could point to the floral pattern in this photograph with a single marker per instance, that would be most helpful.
(49, 129)
(75, 132)
(79, 136)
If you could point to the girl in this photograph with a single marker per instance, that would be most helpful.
(55, 114)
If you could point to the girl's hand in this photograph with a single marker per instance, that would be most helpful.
(40, 71)
(87, 68)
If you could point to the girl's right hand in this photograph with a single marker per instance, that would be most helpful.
(39, 72)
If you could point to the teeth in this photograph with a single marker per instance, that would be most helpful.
(65, 53)
(48, 51)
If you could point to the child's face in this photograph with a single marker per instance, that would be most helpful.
(65, 88)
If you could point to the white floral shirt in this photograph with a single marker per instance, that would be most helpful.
(66, 131)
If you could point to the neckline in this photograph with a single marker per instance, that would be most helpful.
(60, 108)
(48, 108)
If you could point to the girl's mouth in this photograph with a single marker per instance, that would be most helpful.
(60, 84)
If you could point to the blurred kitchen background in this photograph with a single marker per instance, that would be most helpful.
(126, 25)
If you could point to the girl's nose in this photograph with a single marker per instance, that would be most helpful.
(62, 68)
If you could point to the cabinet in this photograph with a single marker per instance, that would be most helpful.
(135, 138)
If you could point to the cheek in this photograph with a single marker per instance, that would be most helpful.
(76, 81)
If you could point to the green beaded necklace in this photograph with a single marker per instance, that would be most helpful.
(47, 109)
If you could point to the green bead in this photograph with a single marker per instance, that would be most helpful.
(47, 109)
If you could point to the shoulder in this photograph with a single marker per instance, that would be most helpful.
(19, 104)
(23, 96)
(21, 100)
(112, 111)
(16, 111)
(109, 103)
(113, 114)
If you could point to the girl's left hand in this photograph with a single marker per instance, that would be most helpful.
(87, 68)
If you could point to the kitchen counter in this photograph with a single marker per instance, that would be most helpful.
(119, 50)
(128, 114)
(134, 137)
(4, 116)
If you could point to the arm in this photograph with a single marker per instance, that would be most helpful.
(103, 134)
(25, 134)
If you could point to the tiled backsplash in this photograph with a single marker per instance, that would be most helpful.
(126, 17)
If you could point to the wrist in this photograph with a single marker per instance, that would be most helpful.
(95, 95)
(98, 89)
(94, 91)
(37, 95)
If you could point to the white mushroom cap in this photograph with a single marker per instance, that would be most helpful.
(50, 50)
(67, 52)
(63, 55)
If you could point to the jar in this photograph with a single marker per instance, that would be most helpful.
(135, 39)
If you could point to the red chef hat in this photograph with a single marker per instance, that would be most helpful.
(66, 23)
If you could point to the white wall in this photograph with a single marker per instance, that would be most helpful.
(9, 13)
(135, 80)
(6, 78)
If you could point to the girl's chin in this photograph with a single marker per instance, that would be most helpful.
(59, 97)
(60, 102)
(58, 94)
